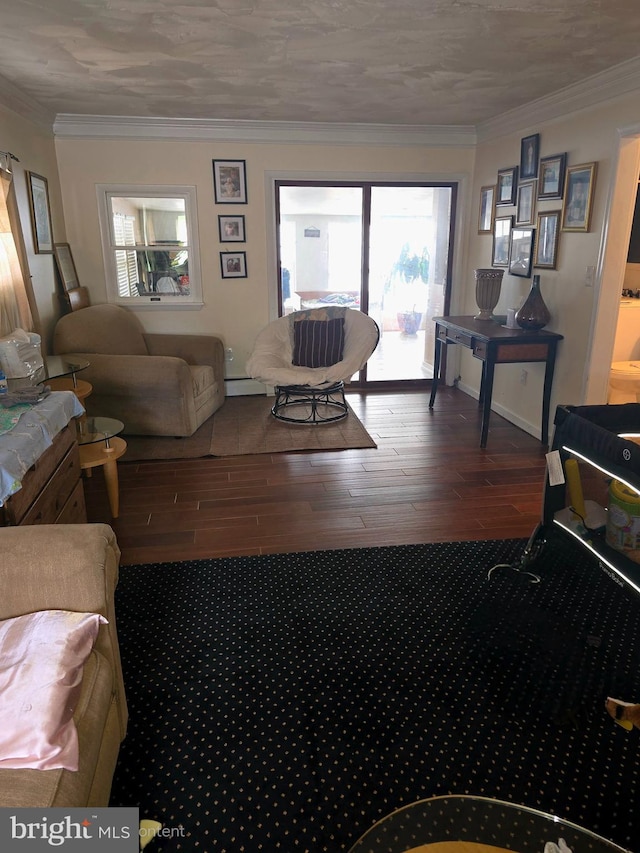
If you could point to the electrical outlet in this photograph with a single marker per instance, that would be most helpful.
(523, 377)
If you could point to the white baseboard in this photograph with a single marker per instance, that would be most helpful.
(534, 430)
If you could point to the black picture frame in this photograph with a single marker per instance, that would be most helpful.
(521, 251)
(545, 254)
(230, 181)
(487, 211)
(529, 156)
(40, 212)
(502, 227)
(551, 176)
(233, 264)
(507, 186)
(231, 229)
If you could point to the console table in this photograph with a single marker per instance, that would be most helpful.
(493, 344)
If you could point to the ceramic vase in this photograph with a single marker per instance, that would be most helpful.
(533, 314)
(488, 285)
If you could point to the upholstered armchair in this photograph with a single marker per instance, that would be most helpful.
(156, 384)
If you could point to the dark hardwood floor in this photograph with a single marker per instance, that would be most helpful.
(427, 481)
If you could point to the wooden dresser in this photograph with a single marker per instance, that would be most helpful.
(52, 491)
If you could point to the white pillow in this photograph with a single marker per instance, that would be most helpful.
(41, 660)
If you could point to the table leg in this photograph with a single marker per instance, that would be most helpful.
(111, 481)
(436, 370)
(546, 393)
(486, 403)
(483, 377)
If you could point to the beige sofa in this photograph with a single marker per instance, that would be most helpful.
(69, 567)
(155, 384)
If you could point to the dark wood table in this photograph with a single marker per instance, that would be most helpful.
(494, 344)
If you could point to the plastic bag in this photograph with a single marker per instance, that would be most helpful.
(20, 354)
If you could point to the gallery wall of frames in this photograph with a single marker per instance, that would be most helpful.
(230, 188)
(531, 204)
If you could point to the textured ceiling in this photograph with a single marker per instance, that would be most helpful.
(414, 62)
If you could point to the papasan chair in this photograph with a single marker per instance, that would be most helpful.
(308, 356)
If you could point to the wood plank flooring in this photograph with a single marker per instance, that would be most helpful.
(427, 481)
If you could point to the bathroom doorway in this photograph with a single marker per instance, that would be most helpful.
(612, 266)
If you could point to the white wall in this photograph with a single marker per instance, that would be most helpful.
(235, 309)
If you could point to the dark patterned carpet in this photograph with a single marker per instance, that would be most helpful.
(288, 702)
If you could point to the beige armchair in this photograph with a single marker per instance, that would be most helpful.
(156, 384)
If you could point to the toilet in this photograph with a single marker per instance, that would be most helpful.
(624, 377)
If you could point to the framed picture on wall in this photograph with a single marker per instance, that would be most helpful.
(487, 209)
(521, 253)
(507, 185)
(231, 229)
(578, 197)
(230, 181)
(529, 153)
(551, 177)
(547, 233)
(38, 192)
(501, 240)
(233, 264)
(526, 207)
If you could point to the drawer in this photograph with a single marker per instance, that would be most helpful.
(37, 476)
(522, 352)
(457, 337)
(51, 501)
(74, 511)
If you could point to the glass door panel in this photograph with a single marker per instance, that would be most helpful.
(408, 264)
(320, 246)
(405, 231)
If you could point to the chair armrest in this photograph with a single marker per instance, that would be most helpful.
(148, 376)
(194, 349)
(65, 567)
(58, 567)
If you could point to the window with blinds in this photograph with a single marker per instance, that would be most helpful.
(149, 240)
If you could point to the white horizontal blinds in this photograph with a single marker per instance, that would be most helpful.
(126, 261)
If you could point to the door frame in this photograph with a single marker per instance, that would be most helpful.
(459, 183)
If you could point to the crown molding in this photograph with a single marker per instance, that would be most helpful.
(16, 100)
(68, 126)
(614, 83)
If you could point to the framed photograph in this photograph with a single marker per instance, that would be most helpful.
(233, 264)
(551, 177)
(487, 209)
(40, 213)
(65, 266)
(521, 254)
(501, 239)
(578, 197)
(231, 229)
(526, 207)
(529, 155)
(230, 181)
(507, 185)
(545, 253)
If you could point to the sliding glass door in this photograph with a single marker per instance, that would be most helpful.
(381, 248)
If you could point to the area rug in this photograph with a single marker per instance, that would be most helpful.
(245, 425)
(288, 702)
